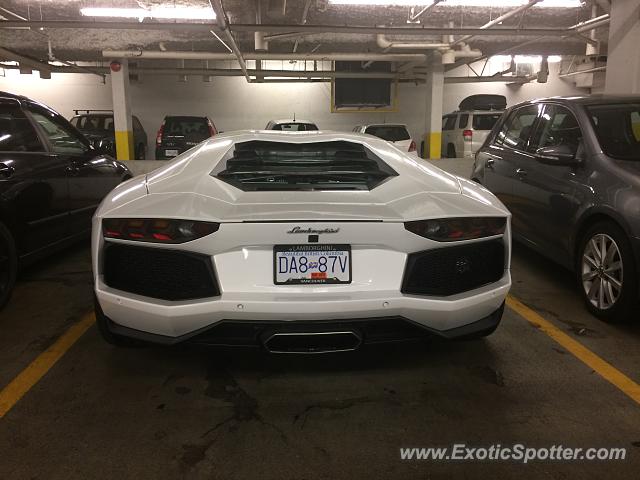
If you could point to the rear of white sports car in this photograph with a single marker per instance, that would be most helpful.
(306, 242)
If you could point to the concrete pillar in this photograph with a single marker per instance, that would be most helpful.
(623, 62)
(435, 94)
(122, 110)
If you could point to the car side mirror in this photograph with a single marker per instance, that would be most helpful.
(560, 155)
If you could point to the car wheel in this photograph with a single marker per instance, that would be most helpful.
(607, 275)
(102, 323)
(141, 152)
(8, 264)
(451, 151)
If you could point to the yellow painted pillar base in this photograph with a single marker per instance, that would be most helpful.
(124, 145)
(433, 145)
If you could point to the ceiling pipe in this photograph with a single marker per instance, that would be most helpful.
(387, 44)
(581, 27)
(176, 55)
(580, 72)
(500, 19)
(413, 17)
(223, 22)
(288, 28)
(493, 78)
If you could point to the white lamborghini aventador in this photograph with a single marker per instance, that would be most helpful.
(299, 242)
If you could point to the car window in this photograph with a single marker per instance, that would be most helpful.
(181, 126)
(16, 132)
(557, 127)
(464, 119)
(617, 127)
(449, 122)
(485, 121)
(62, 139)
(517, 129)
(390, 133)
(295, 127)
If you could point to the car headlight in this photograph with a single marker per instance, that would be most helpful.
(156, 230)
(459, 228)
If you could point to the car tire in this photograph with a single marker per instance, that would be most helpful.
(451, 151)
(8, 264)
(108, 336)
(141, 152)
(608, 286)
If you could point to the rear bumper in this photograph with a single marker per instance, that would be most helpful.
(186, 318)
(233, 333)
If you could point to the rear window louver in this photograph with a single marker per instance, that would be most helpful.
(278, 166)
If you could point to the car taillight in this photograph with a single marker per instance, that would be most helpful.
(456, 229)
(412, 146)
(156, 229)
(467, 135)
(159, 135)
(212, 131)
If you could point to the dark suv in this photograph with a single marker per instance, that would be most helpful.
(569, 171)
(179, 134)
(51, 181)
(98, 127)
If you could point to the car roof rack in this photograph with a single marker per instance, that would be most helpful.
(77, 111)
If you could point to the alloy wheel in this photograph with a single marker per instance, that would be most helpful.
(602, 271)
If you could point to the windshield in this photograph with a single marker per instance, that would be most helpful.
(279, 166)
(295, 127)
(485, 121)
(97, 123)
(390, 133)
(618, 129)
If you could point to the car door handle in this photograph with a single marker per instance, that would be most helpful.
(73, 170)
(6, 170)
(489, 163)
(521, 172)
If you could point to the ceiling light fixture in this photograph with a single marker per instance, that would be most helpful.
(167, 13)
(462, 3)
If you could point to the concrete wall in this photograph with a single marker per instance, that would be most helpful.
(233, 104)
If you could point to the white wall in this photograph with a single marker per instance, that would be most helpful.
(233, 104)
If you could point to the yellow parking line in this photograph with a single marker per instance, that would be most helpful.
(586, 356)
(31, 375)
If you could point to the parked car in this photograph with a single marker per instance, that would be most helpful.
(98, 127)
(291, 125)
(178, 134)
(51, 181)
(299, 243)
(464, 131)
(569, 171)
(395, 133)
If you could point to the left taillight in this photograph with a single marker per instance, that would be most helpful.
(156, 230)
(467, 135)
(412, 146)
(457, 229)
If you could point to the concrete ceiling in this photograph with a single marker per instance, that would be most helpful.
(82, 44)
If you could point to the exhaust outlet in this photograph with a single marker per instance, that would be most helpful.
(313, 342)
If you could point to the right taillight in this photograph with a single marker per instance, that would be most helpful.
(412, 146)
(459, 228)
(156, 230)
(159, 135)
(467, 135)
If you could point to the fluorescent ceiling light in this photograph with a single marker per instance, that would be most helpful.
(167, 13)
(554, 58)
(462, 3)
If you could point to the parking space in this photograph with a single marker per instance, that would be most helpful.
(215, 413)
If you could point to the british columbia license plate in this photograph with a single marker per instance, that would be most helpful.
(311, 264)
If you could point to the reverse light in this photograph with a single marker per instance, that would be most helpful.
(467, 135)
(457, 229)
(156, 230)
(412, 146)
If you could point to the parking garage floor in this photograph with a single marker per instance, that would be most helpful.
(102, 412)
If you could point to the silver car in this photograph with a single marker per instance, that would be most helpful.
(569, 171)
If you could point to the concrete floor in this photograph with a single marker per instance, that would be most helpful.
(103, 412)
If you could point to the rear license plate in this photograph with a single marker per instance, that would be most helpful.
(171, 153)
(311, 264)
